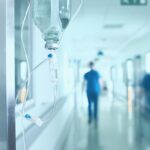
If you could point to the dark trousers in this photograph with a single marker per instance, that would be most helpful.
(92, 99)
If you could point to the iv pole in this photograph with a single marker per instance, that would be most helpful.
(7, 78)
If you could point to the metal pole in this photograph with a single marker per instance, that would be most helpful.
(7, 80)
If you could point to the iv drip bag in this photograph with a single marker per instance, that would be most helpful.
(46, 18)
(64, 12)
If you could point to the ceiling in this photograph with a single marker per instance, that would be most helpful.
(105, 25)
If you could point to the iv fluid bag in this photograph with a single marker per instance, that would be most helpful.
(46, 18)
(42, 14)
(64, 12)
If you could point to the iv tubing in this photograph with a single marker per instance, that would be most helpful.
(36, 67)
(54, 102)
(25, 52)
(28, 78)
(77, 11)
(23, 131)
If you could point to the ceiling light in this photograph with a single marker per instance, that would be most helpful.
(113, 26)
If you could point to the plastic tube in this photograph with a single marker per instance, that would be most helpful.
(28, 78)
(24, 49)
(32, 71)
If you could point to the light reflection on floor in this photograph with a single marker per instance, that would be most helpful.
(117, 129)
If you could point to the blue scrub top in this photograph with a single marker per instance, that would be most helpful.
(92, 77)
(146, 83)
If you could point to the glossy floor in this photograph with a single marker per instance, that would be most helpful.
(118, 129)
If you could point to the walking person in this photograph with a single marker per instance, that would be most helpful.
(92, 83)
(145, 85)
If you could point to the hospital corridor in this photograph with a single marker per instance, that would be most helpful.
(117, 129)
(74, 75)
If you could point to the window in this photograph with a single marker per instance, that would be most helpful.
(120, 73)
(130, 71)
(113, 73)
(20, 61)
(23, 70)
(113, 84)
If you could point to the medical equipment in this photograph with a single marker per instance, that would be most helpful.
(34, 119)
(51, 17)
(65, 12)
(46, 18)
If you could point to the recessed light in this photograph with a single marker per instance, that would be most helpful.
(113, 26)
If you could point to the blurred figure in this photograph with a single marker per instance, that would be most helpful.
(92, 83)
(145, 85)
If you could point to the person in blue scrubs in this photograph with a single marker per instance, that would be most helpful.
(145, 84)
(92, 82)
